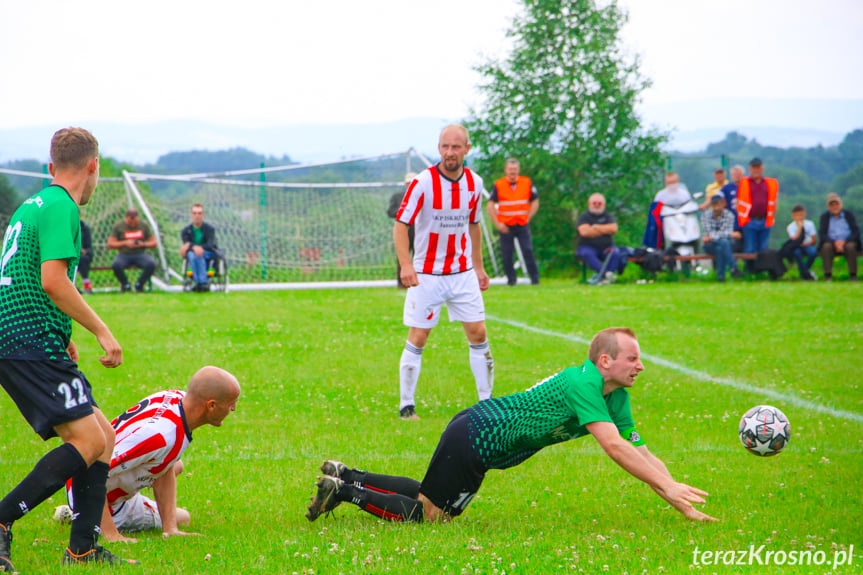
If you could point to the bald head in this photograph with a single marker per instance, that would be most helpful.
(212, 395)
(455, 131)
(453, 145)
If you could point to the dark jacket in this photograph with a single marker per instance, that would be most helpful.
(824, 225)
(86, 240)
(208, 239)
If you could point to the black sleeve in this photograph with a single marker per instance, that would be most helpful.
(186, 234)
(86, 239)
(855, 229)
(823, 225)
(492, 197)
(209, 238)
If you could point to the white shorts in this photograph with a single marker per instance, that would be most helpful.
(460, 293)
(139, 513)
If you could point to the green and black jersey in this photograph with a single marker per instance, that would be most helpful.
(507, 430)
(45, 227)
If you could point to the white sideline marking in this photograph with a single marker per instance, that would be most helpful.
(701, 375)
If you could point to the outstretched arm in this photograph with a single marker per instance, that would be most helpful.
(654, 461)
(679, 495)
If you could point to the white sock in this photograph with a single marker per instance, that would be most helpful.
(482, 366)
(409, 373)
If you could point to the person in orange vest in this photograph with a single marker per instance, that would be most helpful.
(756, 208)
(512, 204)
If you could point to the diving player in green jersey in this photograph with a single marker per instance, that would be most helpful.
(502, 432)
(38, 360)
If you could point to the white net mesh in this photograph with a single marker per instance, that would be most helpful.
(303, 223)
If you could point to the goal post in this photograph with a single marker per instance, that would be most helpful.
(297, 225)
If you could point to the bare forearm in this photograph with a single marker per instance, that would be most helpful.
(165, 493)
(62, 292)
(476, 246)
(628, 457)
(402, 243)
(534, 207)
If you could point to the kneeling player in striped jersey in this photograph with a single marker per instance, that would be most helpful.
(502, 432)
(151, 438)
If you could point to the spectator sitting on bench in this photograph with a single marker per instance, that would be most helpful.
(839, 235)
(596, 229)
(802, 240)
(131, 238)
(717, 224)
(199, 246)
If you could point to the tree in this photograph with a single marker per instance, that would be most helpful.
(9, 202)
(563, 103)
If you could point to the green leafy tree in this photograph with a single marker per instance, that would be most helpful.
(563, 103)
(9, 201)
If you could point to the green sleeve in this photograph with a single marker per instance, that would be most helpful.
(148, 233)
(59, 231)
(583, 397)
(618, 406)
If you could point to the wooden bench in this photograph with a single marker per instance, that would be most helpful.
(689, 258)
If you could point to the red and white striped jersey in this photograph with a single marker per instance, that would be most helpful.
(151, 437)
(441, 210)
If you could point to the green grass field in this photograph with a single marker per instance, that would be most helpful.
(320, 380)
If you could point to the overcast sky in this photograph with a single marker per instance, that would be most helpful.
(255, 62)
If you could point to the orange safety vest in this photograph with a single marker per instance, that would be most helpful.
(513, 205)
(744, 201)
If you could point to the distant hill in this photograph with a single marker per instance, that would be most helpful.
(782, 123)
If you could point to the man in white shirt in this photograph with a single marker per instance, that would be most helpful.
(443, 203)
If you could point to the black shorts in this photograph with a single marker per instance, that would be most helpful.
(47, 392)
(455, 473)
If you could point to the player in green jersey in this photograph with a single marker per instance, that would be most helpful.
(502, 432)
(38, 360)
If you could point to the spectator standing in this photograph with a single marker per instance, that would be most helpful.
(86, 258)
(714, 187)
(729, 190)
(717, 224)
(804, 237)
(596, 229)
(512, 204)
(839, 235)
(756, 208)
(131, 238)
(199, 247)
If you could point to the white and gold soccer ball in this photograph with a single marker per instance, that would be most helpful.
(63, 514)
(764, 430)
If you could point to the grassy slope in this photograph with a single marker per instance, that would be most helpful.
(320, 380)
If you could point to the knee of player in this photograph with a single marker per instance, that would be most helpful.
(178, 468)
(184, 518)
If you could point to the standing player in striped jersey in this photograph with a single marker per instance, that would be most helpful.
(151, 438)
(38, 359)
(442, 203)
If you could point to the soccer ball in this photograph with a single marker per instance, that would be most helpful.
(764, 430)
(62, 514)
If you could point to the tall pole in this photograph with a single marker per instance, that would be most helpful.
(263, 225)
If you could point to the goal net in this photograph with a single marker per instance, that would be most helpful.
(278, 226)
